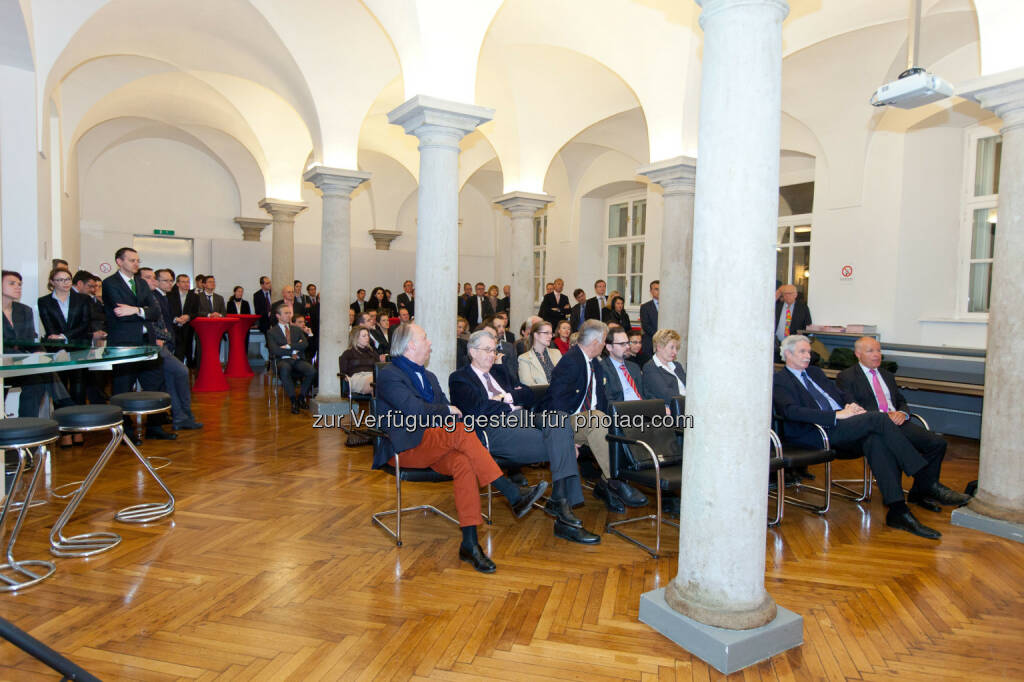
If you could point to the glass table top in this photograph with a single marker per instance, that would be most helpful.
(17, 364)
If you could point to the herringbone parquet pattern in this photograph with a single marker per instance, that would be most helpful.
(270, 569)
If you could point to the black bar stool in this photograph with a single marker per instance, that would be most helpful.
(84, 419)
(22, 434)
(138, 404)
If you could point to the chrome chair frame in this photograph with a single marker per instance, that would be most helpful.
(780, 485)
(399, 509)
(20, 575)
(146, 511)
(613, 526)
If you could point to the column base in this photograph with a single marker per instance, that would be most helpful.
(967, 517)
(328, 404)
(725, 650)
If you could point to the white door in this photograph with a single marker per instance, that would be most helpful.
(165, 252)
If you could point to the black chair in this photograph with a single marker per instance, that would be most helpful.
(361, 400)
(793, 457)
(645, 451)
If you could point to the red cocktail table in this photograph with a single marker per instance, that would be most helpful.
(210, 330)
(238, 351)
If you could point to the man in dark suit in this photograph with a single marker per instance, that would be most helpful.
(161, 282)
(649, 318)
(183, 302)
(358, 306)
(804, 397)
(578, 311)
(486, 390)
(262, 302)
(210, 303)
(596, 309)
(636, 349)
(288, 343)
(623, 379)
(555, 306)
(577, 389)
(406, 389)
(407, 299)
(288, 296)
(129, 305)
(464, 297)
(478, 308)
(791, 316)
(875, 389)
(505, 302)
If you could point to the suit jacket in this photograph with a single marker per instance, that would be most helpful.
(162, 327)
(576, 316)
(298, 308)
(379, 341)
(504, 304)
(23, 327)
(405, 302)
(554, 307)
(396, 393)
(470, 395)
(97, 317)
(128, 330)
(569, 383)
(276, 342)
(621, 319)
(660, 383)
(852, 380)
(78, 325)
(649, 325)
(793, 403)
(594, 308)
(358, 307)
(530, 371)
(469, 311)
(203, 308)
(613, 379)
(233, 308)
(800, 319)
(263, 306)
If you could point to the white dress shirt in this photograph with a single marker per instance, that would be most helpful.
(671, 367)
(885, 388)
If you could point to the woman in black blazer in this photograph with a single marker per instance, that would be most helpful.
(238, 305)
(619, 315)
(74, 327)
(664, 377)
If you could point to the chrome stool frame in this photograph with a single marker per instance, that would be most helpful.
(147, 511)
(14, 575)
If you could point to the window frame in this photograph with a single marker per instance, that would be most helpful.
(631, 199)
(792, 221)
(540, 220)
(969, 204)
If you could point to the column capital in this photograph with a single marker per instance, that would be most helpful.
(521, 204)
(335, 181)
(280, 208)
(677, 175)
(713, 7)
(252, 227)
(1001, 93)
(383, 238)
(423, 115)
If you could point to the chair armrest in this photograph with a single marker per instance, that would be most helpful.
(825, 445)
(776, 443)
(914, 415)
(620, 439)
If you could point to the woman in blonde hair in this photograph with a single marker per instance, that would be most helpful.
(536, 364)
(358, 360)
(664, 377)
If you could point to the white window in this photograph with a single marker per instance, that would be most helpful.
(978, 225)
(624, 244)
(540, 255)
(793, 247)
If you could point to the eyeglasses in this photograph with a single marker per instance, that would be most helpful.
(619, 343)
(62, 280)
(487, 350)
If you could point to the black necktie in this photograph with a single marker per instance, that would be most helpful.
(816, 393)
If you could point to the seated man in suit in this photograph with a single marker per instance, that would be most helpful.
(577, 388)
(636, 351)
(287, 343)
(791, 316)
(406, 389)
(623, 379)
(649, 318)
(875, 389)
(578, 312)
(507, 335)
(803, 396)
(507, 354)
(211, 304)
(664, 376)
(597, 306)
(487, 390)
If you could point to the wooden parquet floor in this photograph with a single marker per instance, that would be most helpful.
(270, 569)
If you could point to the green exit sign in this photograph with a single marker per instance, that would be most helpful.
(164, 232)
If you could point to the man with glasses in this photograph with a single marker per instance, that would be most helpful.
(623, 379)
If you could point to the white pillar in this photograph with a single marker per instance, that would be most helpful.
(336, 186)
(1000, 472)
(282, 262)
(522, 206)
(439, 125)
(725, 474)
(677, 177)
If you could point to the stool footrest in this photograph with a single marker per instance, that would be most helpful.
(145, 512)
(15, 575)
(85, 544)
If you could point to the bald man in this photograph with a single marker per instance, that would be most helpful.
(790, 317)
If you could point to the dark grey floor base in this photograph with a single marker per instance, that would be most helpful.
(336, 407)
(726, 650)
(971, 519)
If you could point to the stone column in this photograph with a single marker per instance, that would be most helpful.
(720, 582)
(282, 264)
(439, 125)
(251, 228)
(522, 206)
(677, 177)
(336, 186)
(1000, 473)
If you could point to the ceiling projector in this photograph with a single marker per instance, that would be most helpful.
(914, 88)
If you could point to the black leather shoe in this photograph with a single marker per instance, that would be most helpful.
(944, 495)
(907, 522)
(610, 499)
(188, 426)
(476, 556)
(670, 506)
(630, 496)
(295, 406)
(159, 434)
(562, 512)
(527, 496)
(924, 502)
(573, 533)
